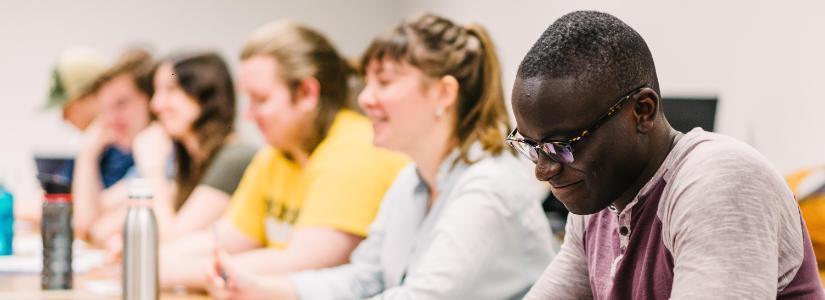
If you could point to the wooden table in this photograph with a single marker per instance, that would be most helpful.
(26, 286)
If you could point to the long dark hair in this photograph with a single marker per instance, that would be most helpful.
(206, 78)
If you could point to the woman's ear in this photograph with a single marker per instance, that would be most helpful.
(307, 94)
(447, 92)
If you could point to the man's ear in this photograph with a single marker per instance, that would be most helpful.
(646, 109)
(307, 94)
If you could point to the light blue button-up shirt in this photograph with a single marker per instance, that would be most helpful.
(485, 237)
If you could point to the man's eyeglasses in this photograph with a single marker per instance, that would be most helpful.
(562, 151)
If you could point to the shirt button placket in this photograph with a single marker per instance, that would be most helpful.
(624, 230)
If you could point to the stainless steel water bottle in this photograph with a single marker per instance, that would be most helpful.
(140, 244)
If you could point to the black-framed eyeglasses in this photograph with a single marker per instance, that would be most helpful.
(562, 151)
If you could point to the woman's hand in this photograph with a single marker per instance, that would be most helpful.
(152, 149)
(225, 280)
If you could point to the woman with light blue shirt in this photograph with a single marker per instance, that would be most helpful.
(464, 221)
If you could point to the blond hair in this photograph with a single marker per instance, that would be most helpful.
(302, 52)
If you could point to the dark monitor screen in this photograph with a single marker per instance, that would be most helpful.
(52, 165)
(54, 172)
(685, 114)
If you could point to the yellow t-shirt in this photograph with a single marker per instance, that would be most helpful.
(813, 212)
(341, 186)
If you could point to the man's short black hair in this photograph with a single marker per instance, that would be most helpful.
(595, 48)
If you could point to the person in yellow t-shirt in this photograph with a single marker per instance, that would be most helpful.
(340, 186)
(307, 199)
(808, 187)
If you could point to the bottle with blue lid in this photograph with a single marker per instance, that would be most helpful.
(6, 221)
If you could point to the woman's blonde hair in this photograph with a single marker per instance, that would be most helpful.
(302, 52)
(439, 47)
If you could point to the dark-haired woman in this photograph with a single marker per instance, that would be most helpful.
(194, 100)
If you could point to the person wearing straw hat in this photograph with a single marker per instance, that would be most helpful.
(71, 90)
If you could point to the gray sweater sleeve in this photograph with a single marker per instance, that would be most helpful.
(732, 226)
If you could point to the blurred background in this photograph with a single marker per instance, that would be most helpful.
(762, 60)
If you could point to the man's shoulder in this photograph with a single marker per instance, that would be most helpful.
(718, 175)
(716, 156)
(714, 172)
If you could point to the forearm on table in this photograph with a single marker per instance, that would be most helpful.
(279, 287)
(199, 247)
(162, 204)
(107, 225)
(266, 261)
(309, 248)
(86, 191)
(201, 210)
(198, 243)
(277, 262)
(189, 270)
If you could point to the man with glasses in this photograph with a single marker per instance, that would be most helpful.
(656, 213)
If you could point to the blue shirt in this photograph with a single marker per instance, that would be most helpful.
(115, 164)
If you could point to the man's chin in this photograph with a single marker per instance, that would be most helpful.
(581, 206)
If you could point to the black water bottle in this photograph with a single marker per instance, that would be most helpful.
(57, 234)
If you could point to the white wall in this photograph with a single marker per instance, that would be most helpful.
(763, 59)
(34, 33)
